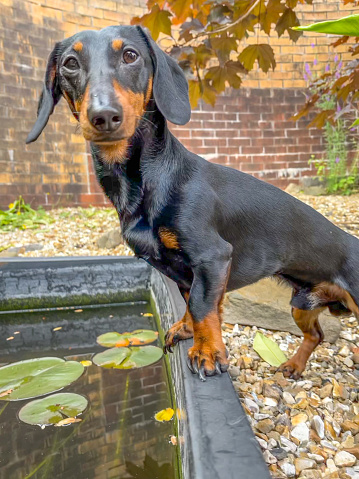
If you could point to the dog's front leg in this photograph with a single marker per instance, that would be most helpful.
(208, 354)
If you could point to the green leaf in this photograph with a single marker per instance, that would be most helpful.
(268, 350)
(156, 21)
(344, 26)
(53, 409)
(262, 53)
(37, 377)
(128, 358)
(356, 123)
(139, 337)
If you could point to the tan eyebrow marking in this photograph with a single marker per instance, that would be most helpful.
(78, 46)
(117, 44)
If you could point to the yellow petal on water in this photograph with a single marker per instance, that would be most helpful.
(78, 310)
(57, 329)
(67, 421)
(86, 363)
(6, 393)
(10, 338)
(164, 415)
(147, 315)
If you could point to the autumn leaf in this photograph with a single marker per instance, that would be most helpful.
(156, 21)
(286, 22)
(262, 53)
(194, 92)
(224, 44)
(181, 8)
(271, 15)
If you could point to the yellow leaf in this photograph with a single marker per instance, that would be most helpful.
(78, 310)
(164, 415)
(86, 363)
(10, 338)
(67, 421)
(57, 329)
(147, 315)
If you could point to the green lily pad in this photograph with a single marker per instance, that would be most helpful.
(128, 358)
(268, 350)
(59, 408)
(140, 337)
(37, 377)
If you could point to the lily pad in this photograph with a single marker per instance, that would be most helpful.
(128, 358)
(58, 409)
(37, 377)
(139, 337)
(268, 350)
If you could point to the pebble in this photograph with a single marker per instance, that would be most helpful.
(344, 459)
(287, 444)
(265, 425)
(279, 453)
(288, 469)
(318, 426)
(251, 405)
(301, 432)
(302, 463)
(288, 398)
(269, 458)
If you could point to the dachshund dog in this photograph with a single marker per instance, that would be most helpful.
(209, 228)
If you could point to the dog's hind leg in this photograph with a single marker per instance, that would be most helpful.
(183, 329)
(307, 321)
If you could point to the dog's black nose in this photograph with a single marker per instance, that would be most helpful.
(106, 119)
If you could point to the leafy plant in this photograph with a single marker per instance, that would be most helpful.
(136, 338)
(37, 377)
(20, 215)
(57, 409)
(206, 37)
(128, 358)
(343, 85)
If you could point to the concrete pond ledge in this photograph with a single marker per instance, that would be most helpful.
(216, 440)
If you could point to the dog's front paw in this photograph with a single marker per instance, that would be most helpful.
(180, 330)
(292, 369)
(206, 361)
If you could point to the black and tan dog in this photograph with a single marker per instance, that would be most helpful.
(209, 228)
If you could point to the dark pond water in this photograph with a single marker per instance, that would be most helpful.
(118, 437)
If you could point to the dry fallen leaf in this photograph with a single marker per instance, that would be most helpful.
(147, 315)
(164, 415)
(10, 338)
(6, 393)
(78, 310)
(173, 440)
(57, 329)
(16, 332)
(67, 421)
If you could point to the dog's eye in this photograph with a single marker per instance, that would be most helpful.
(129, 56)
(72, 64)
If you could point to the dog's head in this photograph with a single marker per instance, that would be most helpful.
(108, 77)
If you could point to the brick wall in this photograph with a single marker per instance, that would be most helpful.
(251, 128)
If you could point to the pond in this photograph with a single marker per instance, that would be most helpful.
(118, 436)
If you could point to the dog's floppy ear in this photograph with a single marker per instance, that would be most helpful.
(50, 95)
(170, 87)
